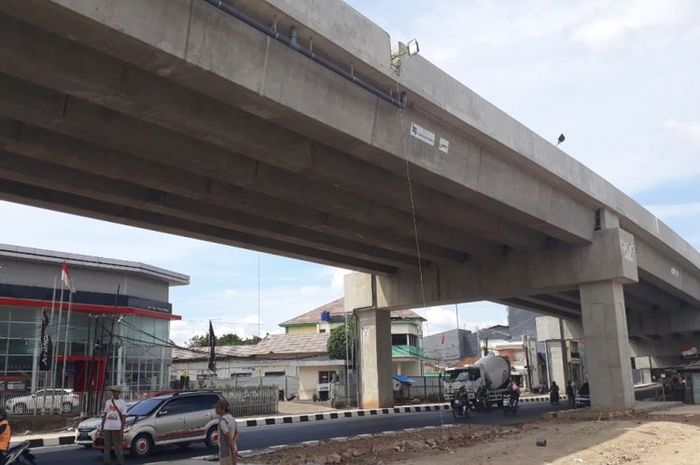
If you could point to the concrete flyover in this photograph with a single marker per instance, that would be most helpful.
(178, 116)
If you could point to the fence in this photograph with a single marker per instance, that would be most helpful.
(246, 400)
(254, 400)
(424, 389)
(289, 385)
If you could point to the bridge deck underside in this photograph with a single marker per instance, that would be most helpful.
(84, 132)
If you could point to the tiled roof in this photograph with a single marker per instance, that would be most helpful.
(275, 344)
(337, 311)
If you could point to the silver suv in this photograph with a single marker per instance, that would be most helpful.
(171, 420)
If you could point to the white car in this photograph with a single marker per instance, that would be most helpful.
(86, 432)
(59, 400)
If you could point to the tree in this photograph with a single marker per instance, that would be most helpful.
(225, 340)
(336, 341)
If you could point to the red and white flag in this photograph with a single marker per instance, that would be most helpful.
(66, 278)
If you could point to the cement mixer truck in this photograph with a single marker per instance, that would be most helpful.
(485, 381)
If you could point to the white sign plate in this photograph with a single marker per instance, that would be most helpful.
(423, 134)
(444, 145)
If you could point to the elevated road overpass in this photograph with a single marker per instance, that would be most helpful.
(286, 127)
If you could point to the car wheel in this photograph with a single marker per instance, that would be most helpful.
(212, 439)
(142, 445)
(66, 407)
(19, 408)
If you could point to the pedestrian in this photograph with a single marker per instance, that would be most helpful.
(113, 427)
(571, 395)
(228, 434)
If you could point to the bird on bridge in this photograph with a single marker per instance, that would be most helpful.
(561, 139)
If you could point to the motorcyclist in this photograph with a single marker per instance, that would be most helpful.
(5, 435)
(514, 394)
(554, 393)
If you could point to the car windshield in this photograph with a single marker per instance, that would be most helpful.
(145, 407)
(452, 375)
(469, 375)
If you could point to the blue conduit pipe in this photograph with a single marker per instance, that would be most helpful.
(294, 45)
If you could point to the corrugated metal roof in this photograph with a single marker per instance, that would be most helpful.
(337, 312)
(88, 261)
(283, 345)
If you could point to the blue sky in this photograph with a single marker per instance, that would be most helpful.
(619, 78)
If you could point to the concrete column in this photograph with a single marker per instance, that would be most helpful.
(557, 362)
(375, 358)
(607, 345)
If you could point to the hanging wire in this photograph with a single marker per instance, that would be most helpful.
(411, 198)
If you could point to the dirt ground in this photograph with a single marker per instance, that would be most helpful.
(637, 439)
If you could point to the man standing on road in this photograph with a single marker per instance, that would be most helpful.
(228, 434)
(571, 395)
(113, 426)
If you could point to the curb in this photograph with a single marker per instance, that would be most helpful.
(47, 442)
(302, 418)
(287, 419)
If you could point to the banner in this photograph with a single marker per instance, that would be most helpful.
(212, 349)
(45, 355)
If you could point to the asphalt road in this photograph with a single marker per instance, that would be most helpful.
(262, 437)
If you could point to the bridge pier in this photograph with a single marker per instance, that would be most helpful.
(607, 344)
(374, 328)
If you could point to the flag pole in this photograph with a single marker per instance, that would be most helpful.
(50, 370)
(57, 345)
(65, 342)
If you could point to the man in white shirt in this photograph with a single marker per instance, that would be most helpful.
(113, 426)
(228, 434)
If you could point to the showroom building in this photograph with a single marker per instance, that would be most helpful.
(112, 328)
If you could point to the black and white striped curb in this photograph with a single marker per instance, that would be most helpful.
(339, 415)
(47, 442)
(282, 419)
(303, 418)
(539, 398)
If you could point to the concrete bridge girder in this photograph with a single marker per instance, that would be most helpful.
(519, 274)
(361, 117)
(599, 271)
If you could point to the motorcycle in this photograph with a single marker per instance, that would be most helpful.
(554, 397)
(18, 455)
(461, 404)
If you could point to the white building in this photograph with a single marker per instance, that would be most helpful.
(301, 353)
(301, 356)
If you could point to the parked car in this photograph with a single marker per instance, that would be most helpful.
(86, 431)
(177, 419)
(57, 400)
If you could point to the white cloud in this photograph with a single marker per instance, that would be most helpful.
(617, 19)
(471, 316)
(666, 212)
(689, 130)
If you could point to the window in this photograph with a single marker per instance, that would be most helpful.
(327, 377)
(241, 375)
(404, 340)
(203, 402)
(178, 406)
(275, 373)
(322, 330)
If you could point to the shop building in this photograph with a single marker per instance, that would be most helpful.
(116, 332)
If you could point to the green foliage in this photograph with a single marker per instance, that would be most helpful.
(225, 340)
(336, 341)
